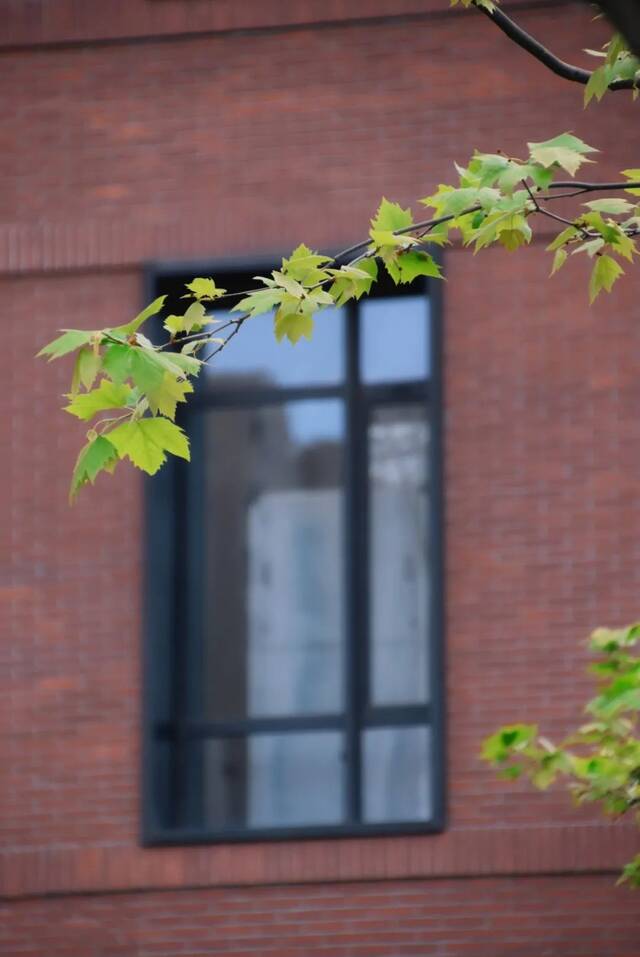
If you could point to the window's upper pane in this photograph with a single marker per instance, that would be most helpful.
(394, 339)
(272, 602)
(398, 441)
(255, 359)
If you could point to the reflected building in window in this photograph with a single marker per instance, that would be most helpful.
(309, 697)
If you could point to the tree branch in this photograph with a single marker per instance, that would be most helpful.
(532, 46)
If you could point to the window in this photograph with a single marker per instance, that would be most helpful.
(293, 661)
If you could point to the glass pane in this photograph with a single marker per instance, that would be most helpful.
(274, 780)
(397, 774)
(398, 561)
(394, 337)
(272, 622)
(255, 359)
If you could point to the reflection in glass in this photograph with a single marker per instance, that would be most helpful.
(274, 780)
(398, 562)
(272, 619)
(394, 336)
(396, 779)
(255, 359)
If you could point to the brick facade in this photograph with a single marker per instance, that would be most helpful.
(195, 129)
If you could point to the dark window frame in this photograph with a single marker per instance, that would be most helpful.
(164, 580)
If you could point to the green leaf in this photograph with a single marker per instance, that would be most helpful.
(193, 320)
(612, 639)
(514, 232)
(204, 289)
(610, 205)
(391, 217)
(384, 239)
(292, 286)
(562, 238)
(631, 872)
(514, 174)
(615, 48)
(509, 228)
(305, 266)
(558, 260)
(317, 299)
(146, 366)
(353, 282)
(565, 150)
(511, 739)
(174, 324)
(413, 264)
(293, 325)
(69, 341)
(597, 84)
(98, 455)
(165, 398)
(634, 175)
(485, 4)
(108, 395)
(117, 361)
(146, 441)
(89, 362)
(605, 272)
(151, 310)
(488, 167)
(541, 177)
(451, 202)
(259, 302)
(624, 245)
(189, 365)
(87, 365)
(591, 247)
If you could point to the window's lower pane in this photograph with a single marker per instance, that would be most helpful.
(274, 780)
(398, 561)
(272, 576)
(397, 774)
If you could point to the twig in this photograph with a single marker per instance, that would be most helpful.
(578, 189)
(239, 322)
(196, 335)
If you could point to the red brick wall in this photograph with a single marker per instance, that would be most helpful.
(232, 143)
(478, 918)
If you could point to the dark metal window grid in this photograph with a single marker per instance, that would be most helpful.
(169, 776)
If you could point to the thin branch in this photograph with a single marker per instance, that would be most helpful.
(532, 46)
(561, 219)
(579, 188)
(426, 224)
(239, 322)
(206, 334)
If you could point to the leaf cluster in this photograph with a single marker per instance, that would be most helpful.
(619, 63)
(128, 389)
(600, 760)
